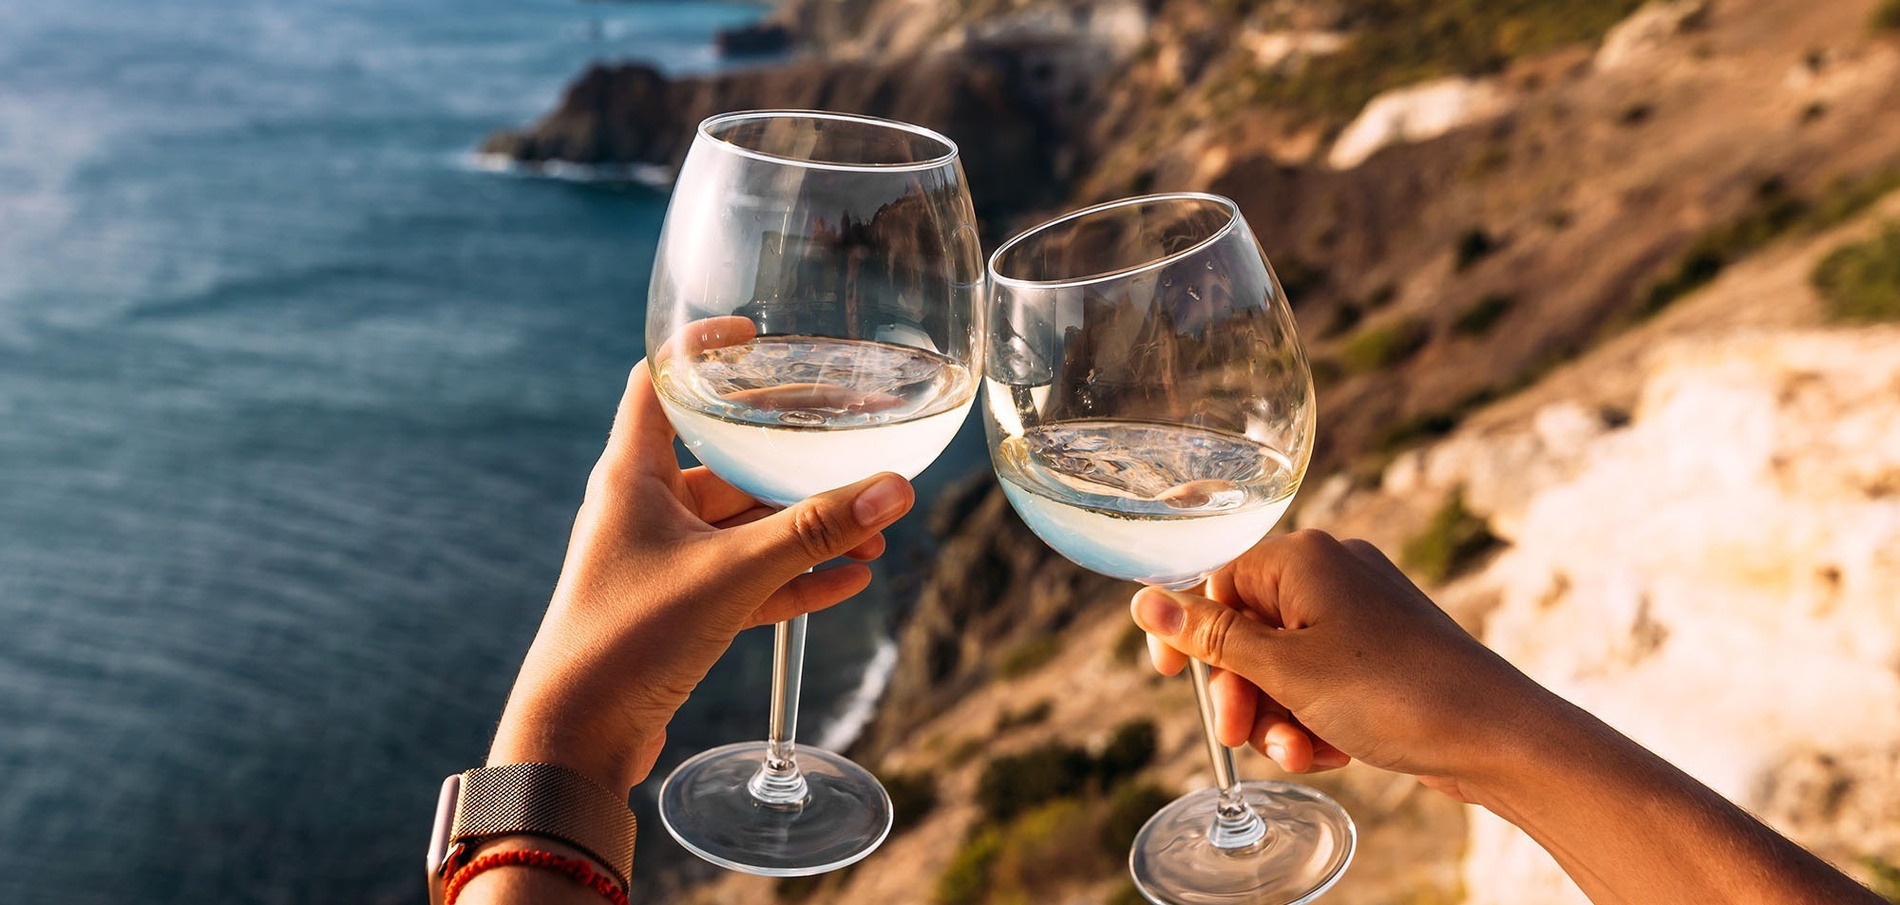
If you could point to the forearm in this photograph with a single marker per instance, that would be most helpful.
(1629, 827)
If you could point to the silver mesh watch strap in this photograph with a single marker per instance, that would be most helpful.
(551, 801)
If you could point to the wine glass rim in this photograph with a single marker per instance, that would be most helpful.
(1226, 203)
(711, 122)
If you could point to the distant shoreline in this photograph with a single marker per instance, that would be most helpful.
(652, 175)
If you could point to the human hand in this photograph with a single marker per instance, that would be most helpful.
(663, 568)
(1325, 651)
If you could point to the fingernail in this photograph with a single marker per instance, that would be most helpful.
(880, 502)
(1156, 612)
(1277, 753)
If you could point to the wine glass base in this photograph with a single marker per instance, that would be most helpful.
(1310, 840)
(707, 805)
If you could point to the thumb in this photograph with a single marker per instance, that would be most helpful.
(1215, 634)
(825, 526)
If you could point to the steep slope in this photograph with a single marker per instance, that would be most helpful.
(1728, 603)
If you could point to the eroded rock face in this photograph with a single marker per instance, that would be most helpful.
(1649, 29)
(989, 103)
(1719, 580)
(1417, 113)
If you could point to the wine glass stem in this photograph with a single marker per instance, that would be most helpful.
(779, 782)
(1235, 824)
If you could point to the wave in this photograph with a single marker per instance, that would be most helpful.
(859, 706)
(654, 175)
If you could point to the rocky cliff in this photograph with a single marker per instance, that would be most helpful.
(1443, 242)
(631, 114)
(1693, 531)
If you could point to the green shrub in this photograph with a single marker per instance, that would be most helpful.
(1034, 714)
(1046, 848)
(1029, 656)
(798, 889)
(1860, 282)
(1346, 316)
(1483, 314)
(1885, 878)
(1130, 749)
(1128, 810)
(966, 880)
(1298, 278)
(1474, 245)
(966, 748)
(1412, 430)
(1887, 16)
(913, 797)
(1131, 643)
(1127, 895)
(1327, 373)
(1382, 345)
(1451, 543)
(1847, 196)
(1010, 785)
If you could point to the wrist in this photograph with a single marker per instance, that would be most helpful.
(1539, 744)
(546, 734)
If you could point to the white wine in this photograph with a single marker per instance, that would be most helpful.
(1161, 504)
(785, 417)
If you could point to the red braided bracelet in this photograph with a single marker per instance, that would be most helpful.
(577, 869)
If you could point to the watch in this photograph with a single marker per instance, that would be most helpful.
(532, 799)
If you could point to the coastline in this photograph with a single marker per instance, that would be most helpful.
(651, 175)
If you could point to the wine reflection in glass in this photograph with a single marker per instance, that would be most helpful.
(1150, 415)
(812, 322)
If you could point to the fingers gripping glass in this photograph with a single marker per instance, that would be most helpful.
(810, 324)
(1150, 416)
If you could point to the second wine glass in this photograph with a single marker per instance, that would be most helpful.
(1150, 415)
(811, 323)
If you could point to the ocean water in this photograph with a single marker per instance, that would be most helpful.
(296, 403)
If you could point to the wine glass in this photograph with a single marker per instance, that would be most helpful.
(1150, 416)
(811, 322)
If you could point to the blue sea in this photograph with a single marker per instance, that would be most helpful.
(296, 404)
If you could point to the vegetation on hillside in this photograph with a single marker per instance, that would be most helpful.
(1860, 282)
(1483, 314)
(1454, 541)
(1887, 16)
(1775, 212)
(1400, 42)
(1384, 344)
(1053, 815)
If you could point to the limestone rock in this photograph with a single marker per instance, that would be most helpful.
(1417, 113)
(1499, 476)
(1714, 578)
(1284, 50)
(1648, 29)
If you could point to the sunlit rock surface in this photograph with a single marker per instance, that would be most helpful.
(1649, 29)
(1720, 580)
(1417, 113)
